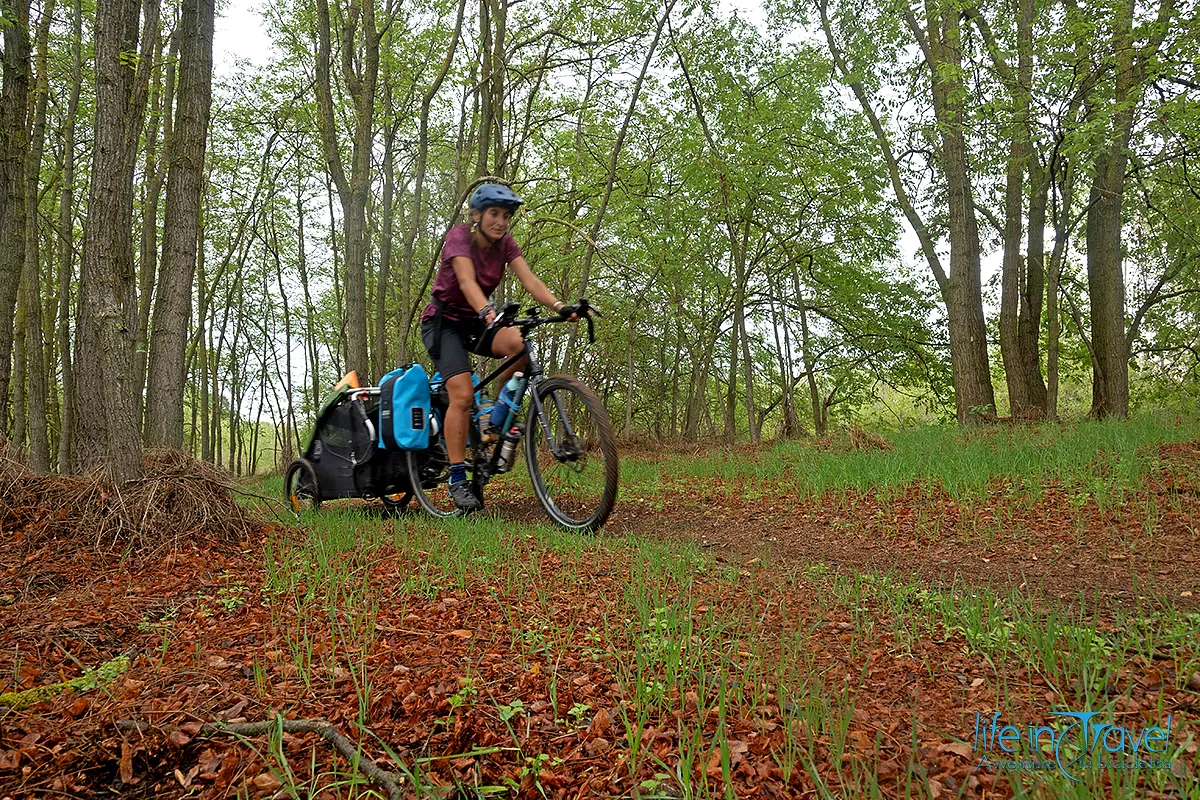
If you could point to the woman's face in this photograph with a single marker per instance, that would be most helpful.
(495, 221)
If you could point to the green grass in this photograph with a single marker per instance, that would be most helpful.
(686, 653)
(682, 656)
(1101, 460)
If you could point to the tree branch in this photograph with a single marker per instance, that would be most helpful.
(910, 211)
(388, 781)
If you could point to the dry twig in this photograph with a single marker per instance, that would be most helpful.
(350, 751)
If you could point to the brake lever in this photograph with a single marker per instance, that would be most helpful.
(586, 310)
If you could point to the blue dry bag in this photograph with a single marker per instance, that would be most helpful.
(404, 409)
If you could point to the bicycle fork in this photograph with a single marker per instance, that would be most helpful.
(547, 428)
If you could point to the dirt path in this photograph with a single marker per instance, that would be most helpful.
(1146, 551)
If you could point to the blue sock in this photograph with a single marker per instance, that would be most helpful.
(458, 472)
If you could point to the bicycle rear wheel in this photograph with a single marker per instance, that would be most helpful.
(429, 471)
(572, 455)
(300, 486)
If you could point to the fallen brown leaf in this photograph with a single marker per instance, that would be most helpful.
(957, 748)
(126, 764)
(600, 723)
(266, 781)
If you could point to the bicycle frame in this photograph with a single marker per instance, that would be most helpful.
(532, 379)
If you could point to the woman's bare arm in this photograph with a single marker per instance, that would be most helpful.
(532, 283)
(464, 270)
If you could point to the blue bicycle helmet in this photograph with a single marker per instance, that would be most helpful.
(495, 194)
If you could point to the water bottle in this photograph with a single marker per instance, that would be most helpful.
(506, 450)
(508, 399)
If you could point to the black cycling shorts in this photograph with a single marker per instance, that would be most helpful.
(458, 340)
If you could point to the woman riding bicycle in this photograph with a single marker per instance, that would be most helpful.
(458, 320)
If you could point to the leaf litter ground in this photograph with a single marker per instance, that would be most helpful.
(733, 642)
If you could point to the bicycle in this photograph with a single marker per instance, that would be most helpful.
(570, 449)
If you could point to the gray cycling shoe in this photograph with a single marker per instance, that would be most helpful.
(464, 497)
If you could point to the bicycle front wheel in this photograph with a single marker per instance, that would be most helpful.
(571, 453)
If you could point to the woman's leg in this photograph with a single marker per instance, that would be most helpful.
(454, 363)
(509, 342)
(458, 416)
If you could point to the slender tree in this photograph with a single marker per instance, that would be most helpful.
(359, 51)
(66, 236)
(14, 146)
(939, 37)
(185, 179)
(37, 387)
(1106, 281)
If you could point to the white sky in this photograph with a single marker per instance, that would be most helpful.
(240, 32)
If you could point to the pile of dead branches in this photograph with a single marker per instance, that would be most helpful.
(177, 498)
(11, 463)
(854, 440)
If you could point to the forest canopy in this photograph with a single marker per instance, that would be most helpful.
(854, 211)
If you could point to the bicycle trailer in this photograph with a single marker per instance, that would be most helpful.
(343, 457)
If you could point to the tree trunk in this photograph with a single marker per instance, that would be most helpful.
(310, 313)
(1064, 192)
(629, 377)
(1020, 398)
(1106, 282)
(290, 415)
(1029, 314)
(731, 396)
(201, 361)
(360, 72)
(238, 369)
(1106, 287)
(379, 345)
(678, 364)
(612, 175)
(973, 393)
(38, 452)
(66, 238)
(20, 406)
(499, 67)
(1022, 372)
(215, 353)
(783, 349)
(14, 147)
(419, 168)
(483, 90)
(739, 310)
(106, 424)
(161, 102)
(1029, 319)
(195, 371)
(810, 367)
(181, 228)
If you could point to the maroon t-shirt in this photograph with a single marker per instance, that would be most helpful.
(489, 269)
